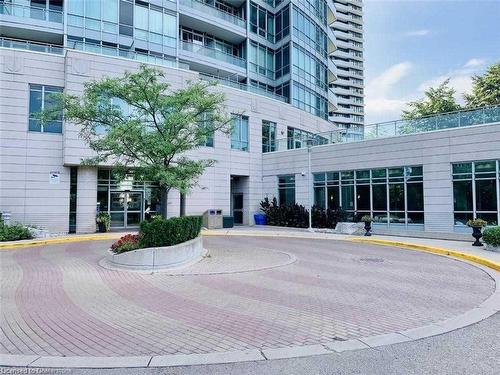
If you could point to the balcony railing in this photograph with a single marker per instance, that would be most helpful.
(244, 87)
(31, 46)
(18, 10)
(210, 9)
(213, 53)
(451, 120)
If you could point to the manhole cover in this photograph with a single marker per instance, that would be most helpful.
(371, 260)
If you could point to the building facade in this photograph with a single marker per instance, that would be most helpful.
(348, 58)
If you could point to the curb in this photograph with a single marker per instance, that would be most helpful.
(48, 241)
(431, 249)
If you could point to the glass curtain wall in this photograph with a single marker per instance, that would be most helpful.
(392, 196)
(476, 192)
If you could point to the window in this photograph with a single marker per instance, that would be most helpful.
(476, 191)
(239, 134)
(73, 185)
(261, 22)
(393, 196)
(206, 122)
(286, 190)
(44, 98)
(297, 138)
(268, 136)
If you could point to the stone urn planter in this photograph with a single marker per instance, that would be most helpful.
(157, 258)
(477, 234)
(367, 219)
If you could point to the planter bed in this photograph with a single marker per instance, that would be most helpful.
(157, 258)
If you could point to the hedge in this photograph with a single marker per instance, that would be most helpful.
(491, 236)
(14, 232)
(168, 232)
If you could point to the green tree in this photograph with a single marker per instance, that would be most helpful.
(485, 88)
(436, 100)
(139, 125)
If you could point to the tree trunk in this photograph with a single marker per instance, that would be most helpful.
(182, 204)
(164, 202)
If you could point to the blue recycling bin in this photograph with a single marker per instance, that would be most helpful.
(260, 219)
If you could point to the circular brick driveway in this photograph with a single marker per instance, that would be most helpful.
(250, 293)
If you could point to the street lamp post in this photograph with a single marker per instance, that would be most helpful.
(309, 181)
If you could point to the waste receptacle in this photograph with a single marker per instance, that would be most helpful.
(212, 219)
(227, 222)
(260, 219)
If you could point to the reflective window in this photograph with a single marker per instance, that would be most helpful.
(392, 196)
(476, 191)
(268, 136)
(44, 98)
(239, 134)
(286, 190)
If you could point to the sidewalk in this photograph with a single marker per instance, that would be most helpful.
(455, 246)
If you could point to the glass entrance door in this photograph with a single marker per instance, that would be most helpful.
(125, 209)
(238, 208)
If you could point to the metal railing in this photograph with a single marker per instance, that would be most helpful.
(212, 10)
(450, 120)
(43, 14)
(31, 46)
(243, 86)
(213, 53)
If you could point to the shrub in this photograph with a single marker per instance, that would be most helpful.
(126, 243)
(297, 216)
(168, 232)
(491, 236)
(366, 219)
(14, 232)
(103, 218)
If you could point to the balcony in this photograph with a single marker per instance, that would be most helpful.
(332, 100)
(213, 54)
(44, 25)
(31, 46)
(207, 18)
(211, 10)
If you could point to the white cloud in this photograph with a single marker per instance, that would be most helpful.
(422, 32)
(460, 78)
(473, 63)
(378, 101)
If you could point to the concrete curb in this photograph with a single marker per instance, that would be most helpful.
(59, 240)
(487, 308)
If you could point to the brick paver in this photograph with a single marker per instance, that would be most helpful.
(250, 293)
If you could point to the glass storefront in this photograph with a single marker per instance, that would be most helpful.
(128, 202)
(392, 196)
(476, 192)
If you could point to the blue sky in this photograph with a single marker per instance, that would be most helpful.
(412, 45)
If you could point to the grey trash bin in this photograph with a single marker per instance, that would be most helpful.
(212, 219)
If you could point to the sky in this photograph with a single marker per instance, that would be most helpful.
(411, 45)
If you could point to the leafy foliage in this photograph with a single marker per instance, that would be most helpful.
(491, 236)
(128, 242)
(297, 216)
(485, 88)
(168, 232)
(14, 232)
(477, 223)
(103, 218)
(138, 121)
(436, 100)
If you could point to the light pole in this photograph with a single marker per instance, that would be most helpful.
(309, 143)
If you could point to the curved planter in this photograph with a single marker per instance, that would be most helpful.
(157, 258)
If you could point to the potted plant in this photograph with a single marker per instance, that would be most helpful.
(102, 219)
(367, 219)
(477, 225)
(491, 238)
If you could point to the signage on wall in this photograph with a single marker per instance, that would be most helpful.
(54, 177)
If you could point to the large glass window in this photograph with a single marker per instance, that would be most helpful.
(476, 191)
(268, 136)
(286, 190)
(297, 138)
(239, 134)
(392, 196)
(45, 98)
